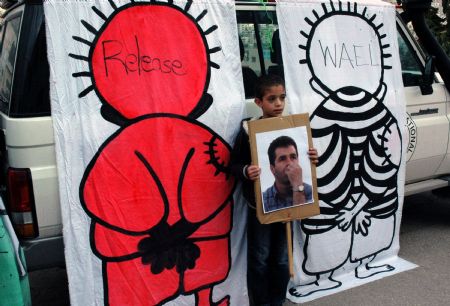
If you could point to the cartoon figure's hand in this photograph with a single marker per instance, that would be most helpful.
(362, 222)
(313, 155)
(295, 174)
(253, 172)
(169, 246)
(344, 219)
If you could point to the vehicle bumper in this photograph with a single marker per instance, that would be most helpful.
(43, 253)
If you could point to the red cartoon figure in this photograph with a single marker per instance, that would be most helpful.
(157, 190)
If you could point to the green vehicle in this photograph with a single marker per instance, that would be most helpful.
(14, 286)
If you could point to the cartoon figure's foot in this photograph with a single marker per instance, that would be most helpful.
(204, 298)
(365, 271)
(308, 289)
(223, 302)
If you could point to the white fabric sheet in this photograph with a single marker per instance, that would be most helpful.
(342, 67)
(80, 129)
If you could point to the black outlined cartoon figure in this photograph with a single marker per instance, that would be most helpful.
(360, 145)
(157, 190)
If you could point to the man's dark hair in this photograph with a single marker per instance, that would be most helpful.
(280, 142)
(266, 81)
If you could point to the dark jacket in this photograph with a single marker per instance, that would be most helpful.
(240, 158)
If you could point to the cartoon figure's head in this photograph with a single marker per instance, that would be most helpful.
(149, 57)
(342, 45)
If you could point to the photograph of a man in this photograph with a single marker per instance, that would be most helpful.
(289, 189)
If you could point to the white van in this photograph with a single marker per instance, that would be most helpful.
(28, 180)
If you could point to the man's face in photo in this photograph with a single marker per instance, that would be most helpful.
(284, 157)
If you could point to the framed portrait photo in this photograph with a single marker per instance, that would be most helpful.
(287, 188)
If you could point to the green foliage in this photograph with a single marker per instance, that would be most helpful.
(440, 25)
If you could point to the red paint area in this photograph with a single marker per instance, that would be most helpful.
(131, 284)
(112, 244)
(121, 191)
(182, 185)
(157, 191)
(150, 59)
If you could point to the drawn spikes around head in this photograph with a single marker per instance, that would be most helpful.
(347, 10)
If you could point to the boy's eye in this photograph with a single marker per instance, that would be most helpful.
(272, 99)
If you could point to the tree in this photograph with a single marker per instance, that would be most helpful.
(439, 24)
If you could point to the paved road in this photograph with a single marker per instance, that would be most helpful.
(424, 240)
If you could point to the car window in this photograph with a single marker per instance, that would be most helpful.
(411, 66)
(260, 48)
(250, 57)
(270, 41)
(8, 53)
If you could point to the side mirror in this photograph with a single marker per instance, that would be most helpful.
(416, 4)
(428, 77)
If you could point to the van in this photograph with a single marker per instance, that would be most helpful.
(28, 176)
(28, 179)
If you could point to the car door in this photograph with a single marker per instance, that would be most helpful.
(427, 122)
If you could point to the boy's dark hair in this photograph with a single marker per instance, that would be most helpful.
(266, 81)
(280, 142)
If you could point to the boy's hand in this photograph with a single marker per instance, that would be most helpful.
(253, 172)
(313, 156)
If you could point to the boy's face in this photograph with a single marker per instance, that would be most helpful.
(272, 103)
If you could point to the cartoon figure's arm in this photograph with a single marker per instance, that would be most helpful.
(122, 191)
(111, 245)
(384, 206)
(205, 172)
(218, 226)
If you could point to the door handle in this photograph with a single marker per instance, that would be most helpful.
(427, 111)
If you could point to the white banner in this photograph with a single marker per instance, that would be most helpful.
(342, 66)
(145, 98)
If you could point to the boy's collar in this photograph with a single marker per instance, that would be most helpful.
(245, 123)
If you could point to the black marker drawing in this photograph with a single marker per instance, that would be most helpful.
(360, 148)
(157, 191)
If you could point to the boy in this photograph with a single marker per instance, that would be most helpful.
(267, 267)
